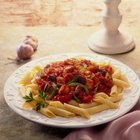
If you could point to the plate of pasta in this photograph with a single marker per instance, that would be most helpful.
(72, 90)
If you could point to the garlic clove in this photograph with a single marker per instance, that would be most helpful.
(32, 43)
(24, 51)
(31, 37)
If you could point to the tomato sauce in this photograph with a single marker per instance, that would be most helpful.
(77, 79)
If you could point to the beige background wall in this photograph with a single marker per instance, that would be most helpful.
(62, 12)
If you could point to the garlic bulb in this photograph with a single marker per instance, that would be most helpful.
(32, 41)
(24, 51)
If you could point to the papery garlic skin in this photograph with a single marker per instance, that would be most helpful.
(31, 41)
(24, 51)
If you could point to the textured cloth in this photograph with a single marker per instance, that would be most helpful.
(126, 127)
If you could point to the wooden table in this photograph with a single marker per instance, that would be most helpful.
(52, 40)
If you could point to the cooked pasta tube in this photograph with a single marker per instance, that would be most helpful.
(33, 86)
(47, 112)
(120, 83)
(102, 100)
(104, 63)
(27, 105)
(102, 107)
(119, 89)
(57, 104)
(123, 77)
(116, 97)
(34, 92)
(77, 110)
(88, 105)
(116, 73)
(102, 94)
(26, 79)
(38, 99)
(37, 68)
(48, 101)
(28, 76)
(114, 90)
(61, 112)
(96, 109)
(22, 91)
(73, 102)
(33, 104)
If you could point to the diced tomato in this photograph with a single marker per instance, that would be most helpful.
(87, 99)
(63, 98)
(92, 68)
(69, 69)
(90, 84)
(41, 83)
(108, 69)
(105, 85)
(60, 80)
(68, 77)
(93, 77)
(64, 89)
(84, 97)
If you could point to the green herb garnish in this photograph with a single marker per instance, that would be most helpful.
(40, 105)
(29, 97)
(42, 94)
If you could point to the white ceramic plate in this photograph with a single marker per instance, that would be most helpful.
(14, 100)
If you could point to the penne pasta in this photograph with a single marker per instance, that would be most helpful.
(47, 112)
(119, 89)
(26, 79)
(97, 109)
(30, 90)
(120, 83)
(77, 110)
(27, 105)
(101, 94)
(33, 104)
(74, 103)
(61, 112)
(22, 91)
(57, 104)
(38, 99)
(114, 90)
(88, 105)
(116, 73)
(37, 68)
(123, 77)
(108, 102)
(116, 97)
(33, 86)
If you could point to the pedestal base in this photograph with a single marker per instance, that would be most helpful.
(107, 43)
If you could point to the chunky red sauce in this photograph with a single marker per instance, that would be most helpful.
(75, 79)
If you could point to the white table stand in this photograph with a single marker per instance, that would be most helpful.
(110, 40)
